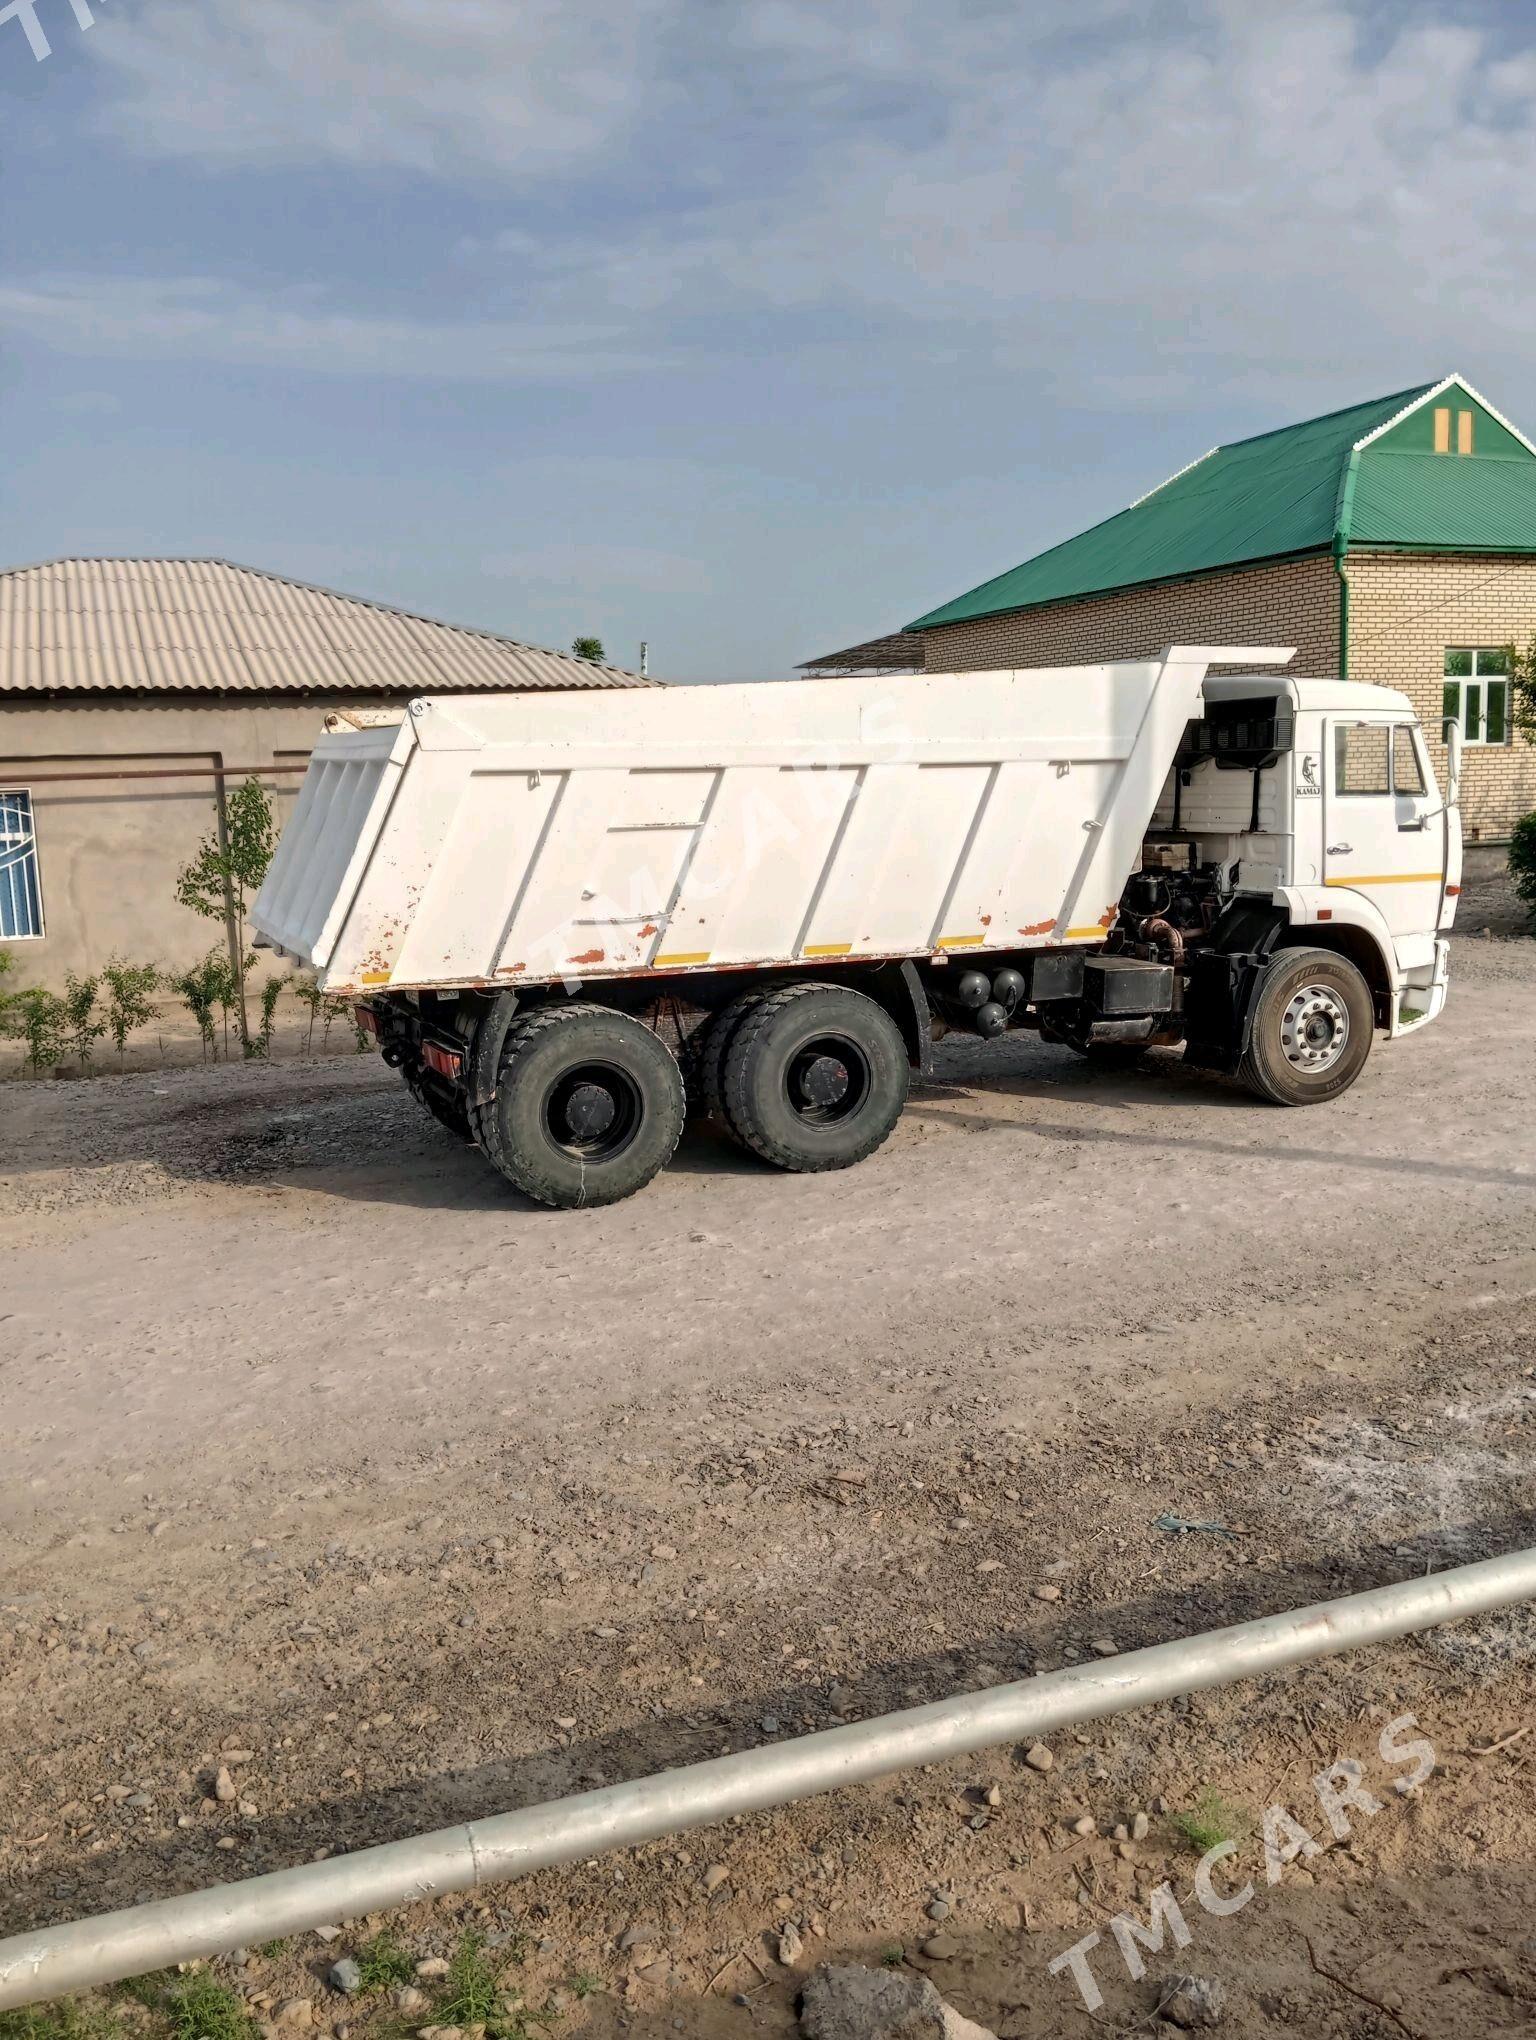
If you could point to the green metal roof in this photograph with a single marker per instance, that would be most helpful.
(1363, 476)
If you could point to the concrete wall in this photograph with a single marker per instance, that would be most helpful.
(1294, 602)
(109, 851)
(1404, 610)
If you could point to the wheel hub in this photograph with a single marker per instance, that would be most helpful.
(1314, 1029)
(826, 1081)
(589, 1111)
(593, 1111)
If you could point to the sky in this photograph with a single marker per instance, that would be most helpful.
(747, 329)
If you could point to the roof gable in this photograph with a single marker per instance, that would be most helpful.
(210, 627)
(1367, 475)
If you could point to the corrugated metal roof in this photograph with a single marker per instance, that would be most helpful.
(207, 626)
(1261, 498)
(900, 652)
(1410, 499)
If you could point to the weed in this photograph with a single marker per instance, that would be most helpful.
(894, 1957)
(148, 1990)
(199, 2007)
(585, 1983)
(272, 1949)
(384, 1962)
(1210, 1822)
(69, 2019)
(473, 1995)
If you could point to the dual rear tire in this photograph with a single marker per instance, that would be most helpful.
(590, 1103)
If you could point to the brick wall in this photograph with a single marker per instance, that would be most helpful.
(1294, 602)
(1404, 609)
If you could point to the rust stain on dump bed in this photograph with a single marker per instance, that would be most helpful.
(589, 956)
(1039, 927)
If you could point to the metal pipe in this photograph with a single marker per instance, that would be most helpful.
(54, 1960)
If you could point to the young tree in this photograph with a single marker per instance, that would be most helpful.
(271, 992)
(39, 1019)
(590, 648)
(83, 1028)
(129, 1003)
(1522, 688)
(306, 988)
(225, 876)
(199, 988)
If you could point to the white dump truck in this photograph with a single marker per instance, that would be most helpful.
(566, 916)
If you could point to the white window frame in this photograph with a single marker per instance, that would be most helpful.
(24, 844)
(1482, 681)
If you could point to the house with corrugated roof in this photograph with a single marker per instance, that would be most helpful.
(135, 694)
(1391, 542)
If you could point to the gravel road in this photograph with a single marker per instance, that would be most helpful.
(318, 1443)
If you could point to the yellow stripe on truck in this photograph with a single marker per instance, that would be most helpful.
(960, 941)
(1093, 934)
(376, 977)
(1389, 878)
(828, 949)
(683, 956)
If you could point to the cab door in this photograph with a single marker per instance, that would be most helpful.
(1378, 837)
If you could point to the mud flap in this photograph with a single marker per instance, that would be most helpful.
(484, 1058)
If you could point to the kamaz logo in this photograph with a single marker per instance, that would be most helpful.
(1308, 782)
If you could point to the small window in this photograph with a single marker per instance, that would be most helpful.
(1407, 772)
(21, 893)
(1476, 694)
(1463, 431)
(1443, 429)
(1362, 758)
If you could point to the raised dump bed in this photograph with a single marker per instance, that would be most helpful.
(927, 851)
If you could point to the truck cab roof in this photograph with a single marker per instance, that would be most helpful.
(1328, 697)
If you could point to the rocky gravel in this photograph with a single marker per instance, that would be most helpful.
(342, 1498)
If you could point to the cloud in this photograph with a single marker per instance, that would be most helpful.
(207, 319)
(1115, 207)
(442, 86)
(583, 568)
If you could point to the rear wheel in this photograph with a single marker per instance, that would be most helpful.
(588, 1107)
(718, 1036)
(815, 1077)
(1312, 1029)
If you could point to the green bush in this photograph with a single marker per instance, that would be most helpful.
(1522, 862)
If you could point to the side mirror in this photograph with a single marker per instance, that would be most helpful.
(1453, 742)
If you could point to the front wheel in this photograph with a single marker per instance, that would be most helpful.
(588, 1107)
(1312, 1029)
(815, 1077)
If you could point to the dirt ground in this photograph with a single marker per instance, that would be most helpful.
(320, 1446)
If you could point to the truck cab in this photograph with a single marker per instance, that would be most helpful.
(1312, 805)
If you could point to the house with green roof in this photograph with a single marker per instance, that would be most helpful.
(1392, 542)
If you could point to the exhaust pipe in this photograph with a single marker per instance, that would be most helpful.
(55, 1960)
